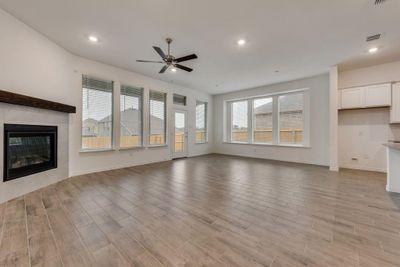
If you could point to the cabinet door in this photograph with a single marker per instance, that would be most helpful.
(352, 98)
(378, 95)
(395, 109)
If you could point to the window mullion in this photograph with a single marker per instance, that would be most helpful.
(250, 120)
(275, 120)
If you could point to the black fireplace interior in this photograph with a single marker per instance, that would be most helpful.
(28, 149)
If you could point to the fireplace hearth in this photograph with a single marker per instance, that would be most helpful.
(28, 149)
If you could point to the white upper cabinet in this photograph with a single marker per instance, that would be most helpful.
(352, 98)
(395, 108)
(366, 97)
(378, 95)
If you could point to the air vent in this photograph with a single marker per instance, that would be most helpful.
(373, 37)
(377, 2)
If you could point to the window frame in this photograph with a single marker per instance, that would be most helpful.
(141, 103)
(165, 119)
(228, 114)
(199, 102)
(112, 147)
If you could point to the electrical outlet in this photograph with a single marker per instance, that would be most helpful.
(354, 159)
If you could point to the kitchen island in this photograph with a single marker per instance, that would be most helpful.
(393, 167)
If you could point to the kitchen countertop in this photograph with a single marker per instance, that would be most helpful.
(392, 145)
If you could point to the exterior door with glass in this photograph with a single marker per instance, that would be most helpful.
(180, 134)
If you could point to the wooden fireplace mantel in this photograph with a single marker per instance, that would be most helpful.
(23, 100)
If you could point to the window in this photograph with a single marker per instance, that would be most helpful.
(201, 122)
(157, 118)
(131, 100)
(278, 119)
(291, 118)
(97, 113)
(262, 120)
(240, 129)
(179, 100)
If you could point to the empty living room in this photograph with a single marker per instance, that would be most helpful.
(199, 133)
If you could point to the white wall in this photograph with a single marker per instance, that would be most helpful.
(317, 153)
(383, 73)
(35, 66)
(362, 132)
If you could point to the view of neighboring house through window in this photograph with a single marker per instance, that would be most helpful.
(131, 103)
(263, 120)
(276, 119)
(97, 115)
(240, 131)
(291, 118)
(157, 118)
(201, 122)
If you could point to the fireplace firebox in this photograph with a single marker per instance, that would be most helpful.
(28, 149)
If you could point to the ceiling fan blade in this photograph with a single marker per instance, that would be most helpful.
(185, 58)
(160, 52)
(179, 66)
(164, 69)
(149, 61)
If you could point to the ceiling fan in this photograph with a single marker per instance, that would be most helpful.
(170, 60)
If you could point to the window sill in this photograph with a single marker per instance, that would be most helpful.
(155, 146)
(130, 148)
(96, 150)
(273, 145)
(204, 143)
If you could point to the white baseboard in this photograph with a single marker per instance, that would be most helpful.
(362, 168)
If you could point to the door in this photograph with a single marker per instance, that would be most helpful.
(180, 134)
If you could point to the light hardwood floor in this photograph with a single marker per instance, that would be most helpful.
(206, 211)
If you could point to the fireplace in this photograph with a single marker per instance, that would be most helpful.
(28, 149)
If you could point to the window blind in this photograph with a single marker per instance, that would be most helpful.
(201, 122)
(131, 108)
(157, 118)
(97, 113)
(179, 100)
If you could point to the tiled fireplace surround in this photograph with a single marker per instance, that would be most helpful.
(15, 114)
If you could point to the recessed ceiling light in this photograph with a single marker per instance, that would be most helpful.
(373, 50)
(173, 69)
(241, 42)
(93, 39)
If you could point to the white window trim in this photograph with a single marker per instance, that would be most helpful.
(205, 122)
(275, 117)
(118, 142)
(113, 121)
(166, 118)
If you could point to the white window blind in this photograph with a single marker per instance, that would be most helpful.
(262, 118)
(131, 103)
(97, 113)
(157, 118)
(291, 121)
(201, 122)
(240, 131)
(179, 100)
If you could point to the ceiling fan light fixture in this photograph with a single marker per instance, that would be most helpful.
(373, 50)
(173, 70)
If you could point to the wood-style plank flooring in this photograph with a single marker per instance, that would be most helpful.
(206, 211)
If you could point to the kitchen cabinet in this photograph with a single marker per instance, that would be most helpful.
(352, 98)
(395, 108)
(379, 95)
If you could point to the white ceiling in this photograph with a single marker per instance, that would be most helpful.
(299, 38)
